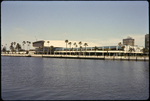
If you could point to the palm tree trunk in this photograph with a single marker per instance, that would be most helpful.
(66, 48)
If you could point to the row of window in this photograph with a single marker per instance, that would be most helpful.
(83, 48)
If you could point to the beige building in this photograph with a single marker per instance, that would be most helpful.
(128, 41)
(147, 41)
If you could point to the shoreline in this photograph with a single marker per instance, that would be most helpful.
(120, 58)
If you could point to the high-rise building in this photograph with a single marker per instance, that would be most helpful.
(147, 41)
(128, 41)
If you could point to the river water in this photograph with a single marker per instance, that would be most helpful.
(30, 78)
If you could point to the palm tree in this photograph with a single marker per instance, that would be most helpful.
(130, 50)
(11, 47)
(18, 46)
(74, 44)
(66, 45)
(123, 49)
(80, 43)
(119, 44)
(70, 47)
(95, 48)
(80, 49)
(14, 43)
(107, 49)
(52, 48)
(76, 47)
(4, 49)
(48, 44)
(85, 44)
(136, 50)
(24, 44)
(28, 45)
(14, 46)
(144, 50)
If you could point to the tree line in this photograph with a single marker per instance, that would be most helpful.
(16, 46)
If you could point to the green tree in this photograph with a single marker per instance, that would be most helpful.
(107, 49)
(131, 50)
(80, 49)
(85, 44)
(4, 49)
(77, 47)
(51, 49)
(66, 45)
(70, 47)
(95, 48)
(14, 46)
(119, 44)
(123, 48)
(144, 50)
(24, 44)
(74, 44)
(18, 46)
(48, 45)
(11, 47)
(80, 43)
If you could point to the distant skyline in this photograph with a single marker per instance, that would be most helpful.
(103, 23)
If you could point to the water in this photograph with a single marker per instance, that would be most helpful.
(29, 78)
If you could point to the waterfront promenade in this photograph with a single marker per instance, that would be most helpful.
(127, 58)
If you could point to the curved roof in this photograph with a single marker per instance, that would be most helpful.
(55, 43)
(61, 43)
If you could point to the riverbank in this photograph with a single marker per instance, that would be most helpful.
(122, 58)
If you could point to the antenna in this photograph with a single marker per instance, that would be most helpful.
(35, 38)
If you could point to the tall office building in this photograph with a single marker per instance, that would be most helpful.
(147, 41)
(128, 41)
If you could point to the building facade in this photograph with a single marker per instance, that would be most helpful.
(59, 48)
(147, 41)
(128, 41)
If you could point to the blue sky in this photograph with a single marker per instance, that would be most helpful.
(99, 22)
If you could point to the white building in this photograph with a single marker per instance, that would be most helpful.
(59, 47)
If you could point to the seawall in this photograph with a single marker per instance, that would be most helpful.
(121, 58)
